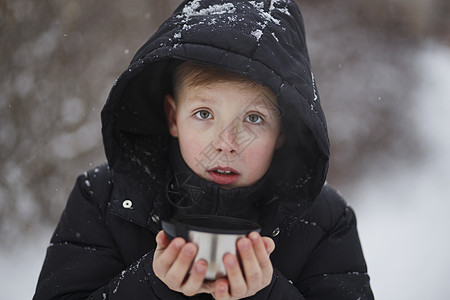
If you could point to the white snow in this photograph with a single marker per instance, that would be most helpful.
(402, 209)
(257, 5)
(191, 10)
(257, 34)
(275, 37)
(267, 16)
(314, 86)
(194, 9)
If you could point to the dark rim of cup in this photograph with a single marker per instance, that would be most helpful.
(180, 226)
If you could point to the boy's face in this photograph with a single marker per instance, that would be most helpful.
(227, 131)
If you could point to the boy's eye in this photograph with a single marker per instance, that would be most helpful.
(203, 114)
(254, 118)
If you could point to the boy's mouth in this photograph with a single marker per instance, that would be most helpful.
(223, 176)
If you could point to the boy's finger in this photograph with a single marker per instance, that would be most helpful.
(236, 281)
(161, 240)
(263, 247)
(221, 289)
(269, 244)
(262, 255)
(194, 283)
(208, 286)
(259, 247)
(250, 263)
(177, 272)
(164, 258)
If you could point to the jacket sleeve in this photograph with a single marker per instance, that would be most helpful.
(82, 261)
(335, 268)
(318, 256)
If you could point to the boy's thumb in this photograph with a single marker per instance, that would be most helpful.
(269, 244)
(161, 240)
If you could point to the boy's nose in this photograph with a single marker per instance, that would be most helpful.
(227, 140)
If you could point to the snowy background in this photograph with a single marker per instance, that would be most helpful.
(385, 88)
(403, 218)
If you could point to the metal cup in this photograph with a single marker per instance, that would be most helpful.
(214, 236)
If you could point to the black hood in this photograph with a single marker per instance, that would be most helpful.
(264, 40)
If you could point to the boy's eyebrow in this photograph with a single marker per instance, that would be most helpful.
(264, 102)
(203, 99)
(265, 111)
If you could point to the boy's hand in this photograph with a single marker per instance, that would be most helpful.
(172, 262)
(256, 272)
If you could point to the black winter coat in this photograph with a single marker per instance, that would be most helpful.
(103, 245)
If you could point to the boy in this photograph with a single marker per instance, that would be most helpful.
(217, 114)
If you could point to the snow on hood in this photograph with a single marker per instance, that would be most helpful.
(264, 40)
